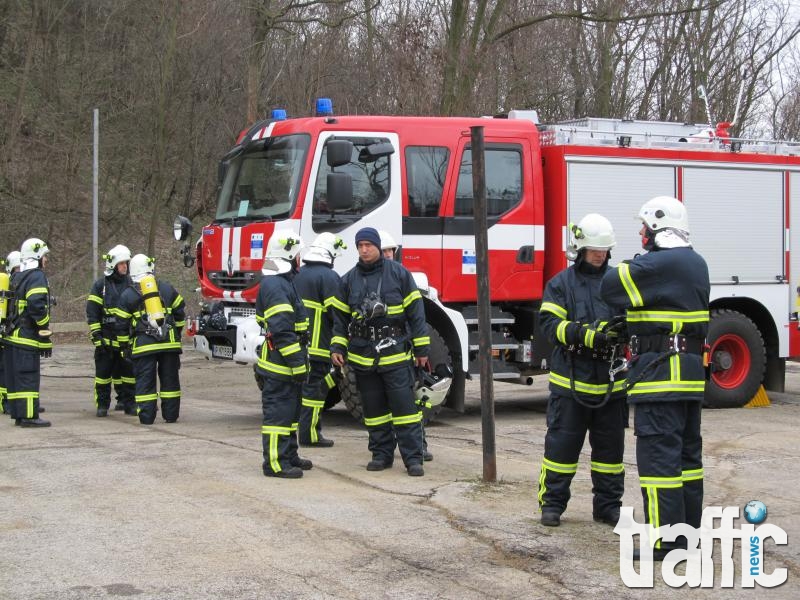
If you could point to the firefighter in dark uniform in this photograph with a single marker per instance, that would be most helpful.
(29, 338)
(665, 293)
(583, 397)
(102, 307)
(389, 250)
(152, 315)
(11, 265)
(385, 305)
(318, 284)
(283, 359)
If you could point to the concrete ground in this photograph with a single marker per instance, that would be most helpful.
(105, 508)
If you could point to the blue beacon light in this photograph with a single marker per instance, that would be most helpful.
(324, 107)
(278, 114)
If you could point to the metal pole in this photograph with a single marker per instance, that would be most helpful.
(484, 306)
(95, 185)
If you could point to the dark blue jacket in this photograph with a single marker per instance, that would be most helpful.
(571, 313)
(280, 312)
(664, 292)
(318, 284)
(404, 317)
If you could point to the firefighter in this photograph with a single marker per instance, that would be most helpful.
(385, 306)
(283, 359)
(583, 397)
(102, 307)
(29, 338)
(665, 293)
(151, 317)
(11, 265)
(389, 250)
(317, 283)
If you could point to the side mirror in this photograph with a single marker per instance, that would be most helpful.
(373, 152)
(181, 228)
(186, 252)
(340, 191)
(338, 152)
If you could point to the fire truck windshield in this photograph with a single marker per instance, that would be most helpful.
(262, 183)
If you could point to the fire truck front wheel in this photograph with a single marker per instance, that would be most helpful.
(738, 359)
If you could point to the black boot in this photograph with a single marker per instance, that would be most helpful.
(320, 443)
(34, 423)
(376, 464)
(609, 518)
(302, 463)
(290, 473)
(102, 412)
(119, 406)
(415, 470)
(551, 518)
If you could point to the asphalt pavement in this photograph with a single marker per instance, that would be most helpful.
(105, 507)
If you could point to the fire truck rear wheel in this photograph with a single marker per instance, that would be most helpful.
(738, 359)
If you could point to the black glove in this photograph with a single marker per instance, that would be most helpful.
(600, 340)
(617, 326)
(125, 351)
(45, 352)
(97, 338)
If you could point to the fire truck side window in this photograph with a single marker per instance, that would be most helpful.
(426, 169)
(503, 180)
(370, 185)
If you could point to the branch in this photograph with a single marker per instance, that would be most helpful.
(594, 17)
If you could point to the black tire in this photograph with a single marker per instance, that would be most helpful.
(439, 355)
(738, 358)
(348, 392)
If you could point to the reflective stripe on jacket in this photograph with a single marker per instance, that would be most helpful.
(404, 310)
(32, 310)
(665, 291)
(281, 314)
(571, 311)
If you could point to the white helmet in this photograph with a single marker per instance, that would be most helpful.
(140, 266)
(116, 255)
(431, 390)
(284, 246)
(387, 241)
(325, 248)
(31, 253)
(664, 212)
(13, 261)
(593, 232)
(33, 248)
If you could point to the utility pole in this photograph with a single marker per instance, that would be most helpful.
(95, 186)
(484, 306)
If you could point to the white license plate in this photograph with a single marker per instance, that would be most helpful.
(218, 351)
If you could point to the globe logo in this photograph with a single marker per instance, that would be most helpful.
(755, 512)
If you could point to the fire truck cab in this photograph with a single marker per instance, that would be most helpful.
(412, 177)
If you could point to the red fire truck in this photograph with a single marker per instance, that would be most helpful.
(412, 177)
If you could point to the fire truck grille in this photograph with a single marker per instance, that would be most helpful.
(239, 281)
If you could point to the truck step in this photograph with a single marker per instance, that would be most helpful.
(500, 370)
(496, 315)
(499, 341)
